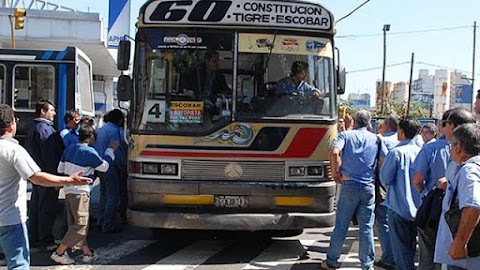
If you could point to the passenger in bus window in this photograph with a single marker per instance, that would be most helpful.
(207, 83)
(294, 85)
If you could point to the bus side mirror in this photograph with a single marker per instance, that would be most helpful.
(341, 80)
(123, 55)
(124, 88)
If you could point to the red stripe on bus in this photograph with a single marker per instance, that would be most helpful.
(304, 143)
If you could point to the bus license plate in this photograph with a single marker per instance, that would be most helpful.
(231, 201)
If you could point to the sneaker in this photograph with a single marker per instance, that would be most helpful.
(89, 258)
(62, 259)
(327, 266)
(384, 265)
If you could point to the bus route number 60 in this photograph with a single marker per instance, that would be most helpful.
(202, 11)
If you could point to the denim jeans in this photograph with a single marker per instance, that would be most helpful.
(426, 249)
(109, 199)
(403, 237)
(355, 199)
(381, 224)
(14, 242)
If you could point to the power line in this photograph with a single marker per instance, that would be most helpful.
(444, 67)
(404, 63)
(351, 12)
(406, 32)
(375, 68)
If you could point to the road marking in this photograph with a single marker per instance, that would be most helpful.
(191, 256)
(280, 255)
(107, 254)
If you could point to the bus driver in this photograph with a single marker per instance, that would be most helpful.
(295, 84)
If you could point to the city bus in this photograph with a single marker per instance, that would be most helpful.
(63, 77)
(251, 157)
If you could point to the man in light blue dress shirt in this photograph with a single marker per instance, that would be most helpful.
(402, 200)
(429, 168)
(463, 176)
(389, 137)
(353, 160)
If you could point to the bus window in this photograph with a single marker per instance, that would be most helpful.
(272, 61)
(185, 89)
(33, 83)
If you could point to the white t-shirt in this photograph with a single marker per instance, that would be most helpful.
(16, 165)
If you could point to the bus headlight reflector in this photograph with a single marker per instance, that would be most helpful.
(296, 171)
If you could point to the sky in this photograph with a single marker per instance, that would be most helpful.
(415, 27)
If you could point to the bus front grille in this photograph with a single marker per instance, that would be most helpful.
(216, 170)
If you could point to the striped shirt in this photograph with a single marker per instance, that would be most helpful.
(80, 157)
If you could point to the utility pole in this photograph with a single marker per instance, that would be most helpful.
(410, 85)
(473, 64)
(386, 27)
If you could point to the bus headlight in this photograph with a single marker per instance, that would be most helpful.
(150, 168)
(315, 170)
(153, 168)
(296, 171)
(168, 169)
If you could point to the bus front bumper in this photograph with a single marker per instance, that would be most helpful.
(237, 221)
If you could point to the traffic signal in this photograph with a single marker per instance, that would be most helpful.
(19, 14)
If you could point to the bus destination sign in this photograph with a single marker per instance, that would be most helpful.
(270, 14)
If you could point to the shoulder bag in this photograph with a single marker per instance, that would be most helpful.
(429, 212)
(452, 217)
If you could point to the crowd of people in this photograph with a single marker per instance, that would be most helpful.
(72, 158)
(384, 177)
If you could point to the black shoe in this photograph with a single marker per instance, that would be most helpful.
(113, 230)
(384, 265)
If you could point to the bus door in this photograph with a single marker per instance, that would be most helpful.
(84, 96)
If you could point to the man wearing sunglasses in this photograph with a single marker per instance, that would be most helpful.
(429, 168)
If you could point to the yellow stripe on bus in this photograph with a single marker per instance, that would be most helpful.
(188, 199)
(293, 201)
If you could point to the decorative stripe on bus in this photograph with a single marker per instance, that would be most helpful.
(303, 145)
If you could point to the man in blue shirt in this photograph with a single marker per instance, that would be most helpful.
(389, 137)
(463, 178)
(352, 161)
(109, 181)
(429, 168)
(69, 133)
(402, 200)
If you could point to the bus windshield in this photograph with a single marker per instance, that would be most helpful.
(194, 82)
